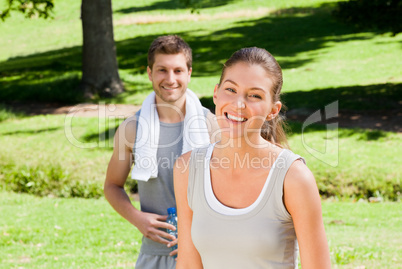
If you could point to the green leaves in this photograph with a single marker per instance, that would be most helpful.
(31, 8)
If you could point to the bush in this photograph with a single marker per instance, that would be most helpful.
(333, 185)
(383, 15)
(6, 114)
(47, 181)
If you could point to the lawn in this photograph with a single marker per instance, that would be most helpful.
(87, 233)
(323, 61)
(53, 155)
(41, 60)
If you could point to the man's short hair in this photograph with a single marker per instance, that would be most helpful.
(169, 44)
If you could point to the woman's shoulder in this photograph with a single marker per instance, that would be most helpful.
(181, 163)
(185, 157)
(299, 178)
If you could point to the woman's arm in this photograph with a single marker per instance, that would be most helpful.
(188, 256)
(303, 202)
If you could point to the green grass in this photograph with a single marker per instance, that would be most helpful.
(44, 155)
(41, 60)
(323, 61)
(6, 113)
(88, 233)
(363, 235)
(346, 163)
(64, 233)
(351, 163)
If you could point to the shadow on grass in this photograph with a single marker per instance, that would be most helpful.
(61, 88)
(101, 136)
(54, 75)
(370, 97)
(358, 99)
(174, 5)
(289, 32)
(31, 132)
(51, 76)
(363, 98)
(296, 128)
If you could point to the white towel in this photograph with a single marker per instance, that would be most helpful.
(195, 134)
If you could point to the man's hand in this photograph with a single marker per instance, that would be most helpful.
(150, 225)
(172, 244)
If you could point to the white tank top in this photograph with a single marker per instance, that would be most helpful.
(259, 236)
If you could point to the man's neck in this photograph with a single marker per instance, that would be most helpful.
(171, 113)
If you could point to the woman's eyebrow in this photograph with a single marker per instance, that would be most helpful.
(231, 81)
(252, 88)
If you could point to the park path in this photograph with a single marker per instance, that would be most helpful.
(373, 120)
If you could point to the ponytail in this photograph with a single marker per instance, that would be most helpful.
(274, 131)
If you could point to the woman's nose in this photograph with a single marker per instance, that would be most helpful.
(240, 104)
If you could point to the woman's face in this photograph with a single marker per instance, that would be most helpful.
(244, 100)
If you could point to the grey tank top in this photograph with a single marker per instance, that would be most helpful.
(157, 194)
(263, 237)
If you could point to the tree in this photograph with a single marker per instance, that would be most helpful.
(99, 63)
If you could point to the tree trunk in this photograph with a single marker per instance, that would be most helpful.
(99, 63)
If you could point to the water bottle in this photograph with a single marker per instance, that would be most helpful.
(172, 219)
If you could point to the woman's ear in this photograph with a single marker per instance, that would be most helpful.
(276, 108)
(216, 93)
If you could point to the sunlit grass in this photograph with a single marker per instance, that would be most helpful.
(314, 50)
(322, 59)
(87, 233)
(346, 163)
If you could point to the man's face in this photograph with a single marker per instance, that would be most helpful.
(170, 77)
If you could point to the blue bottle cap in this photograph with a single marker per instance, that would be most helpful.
(171, 210)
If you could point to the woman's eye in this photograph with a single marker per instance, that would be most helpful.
(230, 90)
(256, 96)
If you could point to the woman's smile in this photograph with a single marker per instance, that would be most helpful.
(235, 118)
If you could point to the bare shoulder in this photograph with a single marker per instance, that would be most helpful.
(121, 161)
(300, 187)
(180, 177)
(126, 132)
(299, 175)
(182, 163)
(129, 126)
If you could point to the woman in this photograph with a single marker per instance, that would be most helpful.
(246, 202)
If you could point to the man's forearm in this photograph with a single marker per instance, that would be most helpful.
(119, 200)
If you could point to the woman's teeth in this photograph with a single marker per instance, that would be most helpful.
(234, 118)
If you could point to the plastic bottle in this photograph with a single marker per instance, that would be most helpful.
(172, 219)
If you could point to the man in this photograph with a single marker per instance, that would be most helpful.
(170, 123)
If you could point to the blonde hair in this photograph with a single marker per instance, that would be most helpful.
(272, 130)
